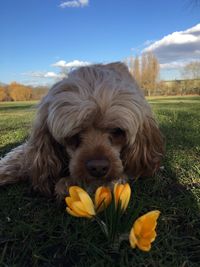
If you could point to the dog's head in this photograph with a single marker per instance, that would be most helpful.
(101, 121)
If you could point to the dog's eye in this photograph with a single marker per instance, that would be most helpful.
(117, 136)
(74, 141)
(117, 132)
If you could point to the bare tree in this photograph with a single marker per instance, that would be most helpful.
(134, 67)
(145, 70)
(192, 70)
(149, 72)
(137, 72)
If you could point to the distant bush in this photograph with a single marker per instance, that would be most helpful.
(2, 93)
(179, 87)
(39, 92)
(19, 92)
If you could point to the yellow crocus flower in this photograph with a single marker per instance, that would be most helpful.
(122, 193)
(143, 231)
(79, 203)
(103, 198)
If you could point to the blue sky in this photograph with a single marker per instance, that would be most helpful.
(40, 37)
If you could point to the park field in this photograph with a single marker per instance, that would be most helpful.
(35, 231)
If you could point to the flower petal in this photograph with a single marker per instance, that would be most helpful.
(103, 198)
(69, 201)
(87, 202)
(144, 248)
(151, 235)
(132, 238)
(143, 230)
(107, 197)
(118, 188)
(137, 226)
(74, 190)
(125, 196)
(150, 220)
(152, 215)
(97, 196)
(71, 212)
(79, 209)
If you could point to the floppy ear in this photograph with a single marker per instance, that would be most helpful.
(120, 68)
(144, 156)
(44, 154)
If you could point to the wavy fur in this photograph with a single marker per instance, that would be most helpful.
(77, 122)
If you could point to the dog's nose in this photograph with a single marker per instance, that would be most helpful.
(98, 167)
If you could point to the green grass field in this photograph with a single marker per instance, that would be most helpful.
(34, 231)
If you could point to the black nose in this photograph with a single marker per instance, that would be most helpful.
(98, 167)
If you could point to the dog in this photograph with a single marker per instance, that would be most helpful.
(92, 128)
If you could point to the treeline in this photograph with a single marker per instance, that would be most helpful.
(19, 92)
(179, 87)
(146, 71)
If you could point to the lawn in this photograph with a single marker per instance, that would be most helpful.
(35, 231)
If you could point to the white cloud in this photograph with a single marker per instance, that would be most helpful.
(177, 48)
(60, 63)
(173, 65)
(51, 74)
(71, 64)
(74, 3)
(40, 74)
(34, 83)
(148, 42)
(49, 77)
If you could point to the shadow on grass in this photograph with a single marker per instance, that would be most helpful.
(34, 232)
(178, 238)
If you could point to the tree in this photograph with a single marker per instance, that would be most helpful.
(145, 71)
(19, 92)
(2, 93)
(155, 70)
(149, 73)
(192, 70)
(136, 70)
(39, 92)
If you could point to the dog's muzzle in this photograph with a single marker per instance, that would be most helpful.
(98, 167)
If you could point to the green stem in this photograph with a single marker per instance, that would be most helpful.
(102, 225)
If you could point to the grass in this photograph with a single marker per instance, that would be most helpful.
(34, 231)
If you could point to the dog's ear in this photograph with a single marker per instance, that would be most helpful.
(120, 68)
(144, 156)
(43, 153)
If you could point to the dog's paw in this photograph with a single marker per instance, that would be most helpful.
(61, 188)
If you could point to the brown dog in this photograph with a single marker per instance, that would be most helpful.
(93, 127)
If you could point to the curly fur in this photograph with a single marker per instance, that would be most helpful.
(77, 121)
